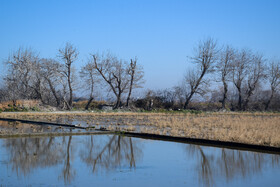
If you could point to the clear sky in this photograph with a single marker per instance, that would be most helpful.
(160, 33)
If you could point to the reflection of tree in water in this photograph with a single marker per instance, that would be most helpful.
(203, 163)
(108, 154)
(27, 154)
(227, 163)
(67, 170)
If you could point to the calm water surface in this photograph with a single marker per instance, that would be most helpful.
(112, 160)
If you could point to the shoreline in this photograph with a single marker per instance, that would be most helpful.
(185, 140)
(153, 125)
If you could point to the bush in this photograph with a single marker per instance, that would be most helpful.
(34, 109)
(15, 109)
(82, 104)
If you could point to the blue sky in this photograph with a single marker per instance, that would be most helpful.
(160, 33)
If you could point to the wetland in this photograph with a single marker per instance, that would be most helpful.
(82, 149)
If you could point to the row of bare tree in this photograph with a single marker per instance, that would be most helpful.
(243, 70)
(54, 82)
(240, 76)
(31, 77)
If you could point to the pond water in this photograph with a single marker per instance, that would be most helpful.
(113, 160)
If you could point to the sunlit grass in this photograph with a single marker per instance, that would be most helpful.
(251, 128)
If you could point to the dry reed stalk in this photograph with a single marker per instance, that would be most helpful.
(252, 128)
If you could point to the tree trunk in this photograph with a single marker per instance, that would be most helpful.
(67, 104)
(268, 102)
(239, 99)
(129, 94)
(70, 88)
(225, 95)
(194, 89)
(88, 103)
(188, 100)
(118, 103)
(131, 81)
(128, 97)
(245, 105)
(39, 95)
(54, 93)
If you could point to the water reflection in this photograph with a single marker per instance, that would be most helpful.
(68, 171)
(111, 153)
(228, 164)
(26, 154)
(71, 155)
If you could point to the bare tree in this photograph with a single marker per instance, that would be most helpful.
(239, 72)
(254, 76)
(205, 57)
(89, 74)
(274, 80)
(23, 78)
(136, 75)
(51, 72)
(64, 92)
(194, 85)
(224, 68)
(247, 72)
(179, 94)
(120, 76)
(69, 54)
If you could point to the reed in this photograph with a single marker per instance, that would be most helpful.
(251, 128)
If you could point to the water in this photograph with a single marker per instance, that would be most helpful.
(112, 160)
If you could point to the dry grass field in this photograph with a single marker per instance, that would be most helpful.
(250, 128)
(19, 103)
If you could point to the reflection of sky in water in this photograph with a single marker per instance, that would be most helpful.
(111, 160)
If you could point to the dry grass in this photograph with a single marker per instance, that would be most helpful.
(250, 128)
(20, 103)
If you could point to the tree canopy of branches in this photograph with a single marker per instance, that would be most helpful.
(90, 78)
(273, 79)
(239, 72)
(254, 76)
(69, 55)
(224, 68)
(23, 79)
(135, 74)
(51, 73)
(120, 76)
(247, 72)
(205, 58)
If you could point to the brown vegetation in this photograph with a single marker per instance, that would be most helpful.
(19, 103)
(249, 128)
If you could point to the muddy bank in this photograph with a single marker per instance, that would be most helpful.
(27, 128)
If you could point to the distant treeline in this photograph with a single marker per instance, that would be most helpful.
(222, 77)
